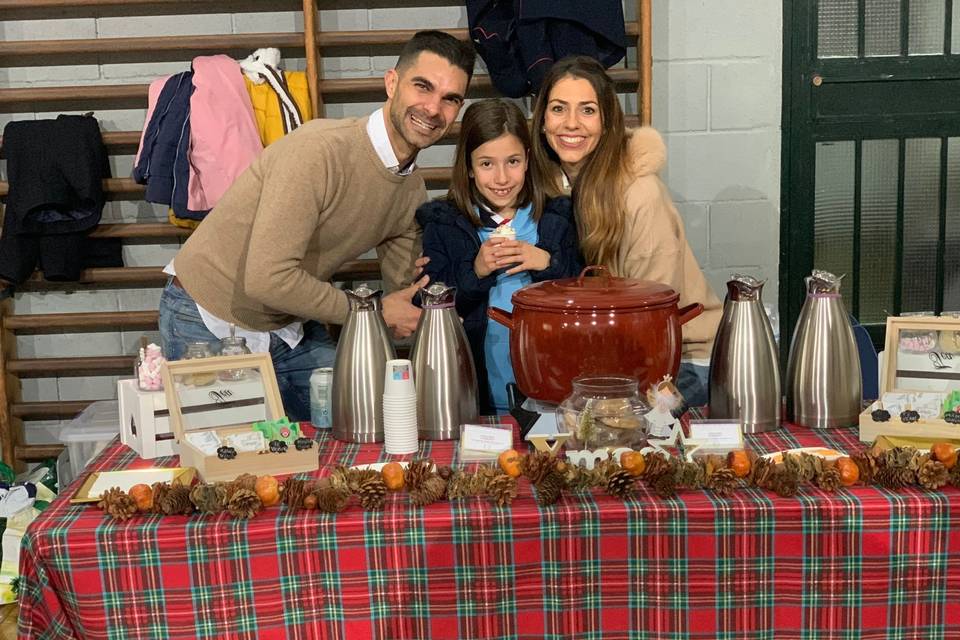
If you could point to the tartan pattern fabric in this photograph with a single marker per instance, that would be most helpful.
(862, 563)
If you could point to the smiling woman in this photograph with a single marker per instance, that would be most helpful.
(624, 213)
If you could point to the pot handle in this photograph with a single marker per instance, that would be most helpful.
(503, 317)
(602, 270)
(689, 312)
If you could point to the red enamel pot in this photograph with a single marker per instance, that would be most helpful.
(601, 325)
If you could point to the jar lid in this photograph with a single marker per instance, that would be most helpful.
(602, 292)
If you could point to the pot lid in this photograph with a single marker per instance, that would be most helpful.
(603, 291)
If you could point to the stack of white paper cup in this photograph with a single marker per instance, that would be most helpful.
(399, 408)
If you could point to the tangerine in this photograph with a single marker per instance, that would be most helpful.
(739, 462)
(849, 471)
(268, 489)
(633, 462)
(392, 473)
(509, 461)
(142, 494)
(945, 453)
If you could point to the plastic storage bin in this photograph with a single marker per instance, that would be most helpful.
(88, 434)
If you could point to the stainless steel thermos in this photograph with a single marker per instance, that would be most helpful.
(443, 369)
(823, 383)
(362, 354)
(744, 371)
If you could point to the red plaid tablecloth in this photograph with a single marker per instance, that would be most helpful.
(861, 563)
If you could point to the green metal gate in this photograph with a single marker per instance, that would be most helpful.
(871, 155)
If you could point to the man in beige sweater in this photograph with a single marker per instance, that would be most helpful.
(315, 199)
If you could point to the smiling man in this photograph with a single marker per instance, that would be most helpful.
(319, 197)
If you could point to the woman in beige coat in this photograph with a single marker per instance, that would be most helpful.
(625, 215)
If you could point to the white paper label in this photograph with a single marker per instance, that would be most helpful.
(247, 441)
(483, 438)
(205, 441)
(661, 423)
(717, 435)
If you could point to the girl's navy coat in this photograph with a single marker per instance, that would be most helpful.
(450, 241)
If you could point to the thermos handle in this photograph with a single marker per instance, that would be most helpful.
(503, 317)
(602, 270)
(689, 312)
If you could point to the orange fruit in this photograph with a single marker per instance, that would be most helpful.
(849, 471)
(143, 496)
(633, 462)
(392, 473)
(509, 461)
(268, 489)
(945, 453)
(739, 462)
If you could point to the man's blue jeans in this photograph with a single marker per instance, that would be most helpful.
(180, 323)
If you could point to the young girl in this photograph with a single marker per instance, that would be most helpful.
(495, 233)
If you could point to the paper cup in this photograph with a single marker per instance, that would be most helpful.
(398, 379)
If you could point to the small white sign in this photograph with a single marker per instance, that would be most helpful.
(477, 437)
(205, 441)
(247, 441)
(717, 434)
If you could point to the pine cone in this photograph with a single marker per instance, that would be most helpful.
(429, 491)
(332, 499)
(160, 489)
(620, 483)
(550, 488)
(417, 473)
(722, 482)
(955, 475)
(897, 457)
(889, 478)
(576, 477)
(244, 503)
(459, 485)
(656, 466)
(118, 503)
(357, 477)
(665, 485)
(177, 501)
(761, 473)
(784, 483)
(537, 466)
(917, 461)
(246, 481)
(691, 475)
(294, 491)
(209, 498)
(372, 492)
(502, 489)
(829, 479)
(340, 478)
(933, 475)
(867, 464)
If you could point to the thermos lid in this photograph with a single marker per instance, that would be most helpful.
(743, 288)
(604, 292)
(438, 296)
(363, 298)
(820, 282)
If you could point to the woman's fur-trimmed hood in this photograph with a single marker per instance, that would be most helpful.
(646, 152)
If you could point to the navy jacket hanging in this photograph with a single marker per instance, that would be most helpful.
(519, 40)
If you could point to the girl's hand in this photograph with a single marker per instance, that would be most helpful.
(486, 261)
(529, 257)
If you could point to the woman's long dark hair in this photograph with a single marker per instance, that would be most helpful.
(482, 122)
(598, 190)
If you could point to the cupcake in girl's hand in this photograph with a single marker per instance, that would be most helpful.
(504, 231)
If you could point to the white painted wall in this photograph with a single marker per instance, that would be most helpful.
(716, 99)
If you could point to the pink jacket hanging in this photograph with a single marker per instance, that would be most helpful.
(223, 132)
